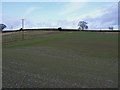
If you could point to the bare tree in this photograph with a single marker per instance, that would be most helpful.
(82, 25)
(2, 26)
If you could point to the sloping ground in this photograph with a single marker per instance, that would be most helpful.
(76, 59)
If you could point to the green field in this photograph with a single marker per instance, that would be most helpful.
(49, 59)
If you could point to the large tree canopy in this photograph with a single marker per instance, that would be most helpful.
(82, 25)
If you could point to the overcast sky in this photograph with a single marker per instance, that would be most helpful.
(99, 15)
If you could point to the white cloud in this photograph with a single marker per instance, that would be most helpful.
(10, 21)
(30, 10)
(98, 19)
(71, 7)
(60, 23)
(102, 18)
(15, 23)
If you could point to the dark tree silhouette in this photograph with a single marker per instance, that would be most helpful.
(82, 25)
(59, 28)
(110, 28)
(2, 26)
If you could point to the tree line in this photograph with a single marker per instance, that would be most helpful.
(82, 26)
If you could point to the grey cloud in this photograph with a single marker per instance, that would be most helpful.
(109, 18)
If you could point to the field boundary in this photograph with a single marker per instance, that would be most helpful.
(29, 33)
(61, 30)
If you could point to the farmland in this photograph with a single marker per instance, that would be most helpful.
(51, 59)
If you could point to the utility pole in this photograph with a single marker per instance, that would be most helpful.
(22, 29)
(23, 23)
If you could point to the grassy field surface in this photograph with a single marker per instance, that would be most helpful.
(48, 59)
